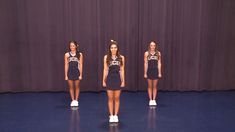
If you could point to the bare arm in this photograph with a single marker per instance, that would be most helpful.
(81, 66)
(122, 71)
(159, 66)
(66, 66)
(105, 71)
(145, 64)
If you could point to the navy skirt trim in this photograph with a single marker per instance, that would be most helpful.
(73, 74)
(113, 82)
(152, 74)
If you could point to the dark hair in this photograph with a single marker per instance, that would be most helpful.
(77, 49)
(109, 54)
(156, 48)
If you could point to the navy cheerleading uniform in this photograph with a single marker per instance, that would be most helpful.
(73, 71)
(152, 71)
(113, 77)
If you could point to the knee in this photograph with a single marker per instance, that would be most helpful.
(110, 99)
(116, 99)
(150, 85)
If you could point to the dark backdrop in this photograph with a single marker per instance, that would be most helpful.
(196, 39)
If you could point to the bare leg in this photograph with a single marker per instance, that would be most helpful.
(77, 89)
(155, 82)
(150, 92)
(71, 90)
(116, 101)
(110, 94)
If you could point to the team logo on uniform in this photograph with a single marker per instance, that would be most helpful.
(153, 57)
(73, 59)
(114, 63)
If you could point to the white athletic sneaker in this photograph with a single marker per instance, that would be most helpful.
(154, 102)
(111, 118)
(150, 102)
(72, 103)
(75, 103)
(115, 118)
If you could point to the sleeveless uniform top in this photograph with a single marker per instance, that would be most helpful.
(114, 66)
(73, 71)
(113, 77)
(152, 61)
(152, 72)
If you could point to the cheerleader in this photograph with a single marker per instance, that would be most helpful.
(152, 70)
(73, 61)
(113, 79)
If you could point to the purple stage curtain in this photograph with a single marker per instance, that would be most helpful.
(196, 39)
